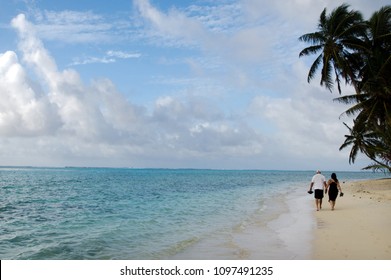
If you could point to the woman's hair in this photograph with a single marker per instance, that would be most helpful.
(334, 177)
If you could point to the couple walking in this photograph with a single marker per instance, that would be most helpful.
(319, 184)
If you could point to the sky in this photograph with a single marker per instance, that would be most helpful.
(167, 84)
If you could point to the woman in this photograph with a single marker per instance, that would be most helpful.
(332, 188)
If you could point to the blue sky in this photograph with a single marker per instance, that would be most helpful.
(173, 84)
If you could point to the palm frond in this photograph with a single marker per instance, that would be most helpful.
(378, 167)
(326, 77)
(315, 38)
(311, 50)
(348, 99)
(314, 68)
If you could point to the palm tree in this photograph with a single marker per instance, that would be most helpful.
(376, 74)
(337, 39)
(359, 52)
(369, 143)
(373, 105)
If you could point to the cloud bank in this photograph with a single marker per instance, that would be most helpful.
(245, 103)
(58, 119)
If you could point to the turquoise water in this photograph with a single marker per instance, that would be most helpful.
(98, 213)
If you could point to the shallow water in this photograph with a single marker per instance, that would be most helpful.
(99, 213)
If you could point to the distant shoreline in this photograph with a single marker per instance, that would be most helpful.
(182, 168)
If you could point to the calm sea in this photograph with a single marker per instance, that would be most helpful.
(105, 213)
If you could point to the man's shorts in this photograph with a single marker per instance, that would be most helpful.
(318, 194)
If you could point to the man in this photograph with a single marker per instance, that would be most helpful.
(318, 182)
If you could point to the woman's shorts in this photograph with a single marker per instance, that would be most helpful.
(318, 194)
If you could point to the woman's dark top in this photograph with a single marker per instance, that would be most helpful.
(333, 191)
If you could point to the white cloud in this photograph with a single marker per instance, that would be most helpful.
(175, 27)
(23, 109)
(110, 57)
(306, 122)
(70, 121)
(81, 111)
(73, 26)
(122, 54)
(244, 48)
(90, 60)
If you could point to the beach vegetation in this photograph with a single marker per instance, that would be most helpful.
(358, 52)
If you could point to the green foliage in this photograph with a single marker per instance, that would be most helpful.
(358, 51)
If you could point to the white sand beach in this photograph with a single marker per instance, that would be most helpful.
(360, 226)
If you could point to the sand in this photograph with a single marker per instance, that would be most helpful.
(360, 226)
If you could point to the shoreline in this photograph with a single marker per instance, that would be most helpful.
(360, 226)
(280, 230)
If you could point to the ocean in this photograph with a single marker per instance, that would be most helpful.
(156, 214)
